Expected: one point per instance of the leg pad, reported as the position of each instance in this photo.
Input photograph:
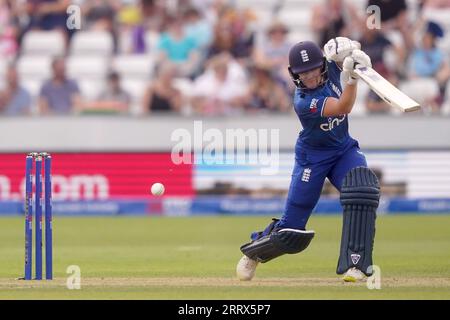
(278, 243)
(360, 195)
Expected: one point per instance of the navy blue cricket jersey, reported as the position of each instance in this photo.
(324, 150)
(319, 131)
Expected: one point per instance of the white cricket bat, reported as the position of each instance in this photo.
(386, 90)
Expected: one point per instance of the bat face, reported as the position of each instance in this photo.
(372, 75)
(386, 90)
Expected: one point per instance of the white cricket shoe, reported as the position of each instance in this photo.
(245, 269)
(354, 275)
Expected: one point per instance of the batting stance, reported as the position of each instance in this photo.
(324, 149)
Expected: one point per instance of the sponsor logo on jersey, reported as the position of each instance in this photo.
(336, 89)
(313, 105)
(332, 123)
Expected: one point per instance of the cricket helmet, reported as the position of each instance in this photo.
(303, 57)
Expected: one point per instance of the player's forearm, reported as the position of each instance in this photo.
(347, 99)
(336, 107)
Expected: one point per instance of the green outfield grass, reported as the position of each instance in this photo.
(195, 258)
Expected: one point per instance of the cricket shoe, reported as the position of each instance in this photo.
(354, 275)
(245, 269)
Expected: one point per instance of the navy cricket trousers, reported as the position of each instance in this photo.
(308, 177)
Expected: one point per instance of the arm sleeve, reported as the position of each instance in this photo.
(312, 108)
(334, 71)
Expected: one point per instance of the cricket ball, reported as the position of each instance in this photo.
(157, 189)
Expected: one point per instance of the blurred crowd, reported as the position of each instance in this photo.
(218, 57)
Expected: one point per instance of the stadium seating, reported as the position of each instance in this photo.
(305, 4)
(91, 53)
(184, 85)
(3, 66)
(440, 16)
(444, 44)
(92, 43)
(395, 37)
(151, 41)
(87, 67)
(43, 43)
(421, 89)
(91, 89)
(33, 87)
(137, 66)
(136, 88)
(446, 106)
(359, 107)
(302, 35)
(34, 67)
(296, 20)
(90, 73)
(256, 4)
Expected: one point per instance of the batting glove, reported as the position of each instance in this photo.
(339, 48)
(348, 74)
(361, 59)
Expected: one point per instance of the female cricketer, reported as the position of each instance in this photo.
(324, 149)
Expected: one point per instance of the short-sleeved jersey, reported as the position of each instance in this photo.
(319, 131)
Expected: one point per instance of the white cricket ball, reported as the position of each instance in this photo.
(158, 189)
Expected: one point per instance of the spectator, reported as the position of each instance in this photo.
(265, 94)
(49, 15)
(14, 99)
(244, 37)
(332, 19)
(59, 95)
(209, 9)
(430, 61)
(132, 30)
(100, 15)
(273, 52)
(154, 14)
(438, 4)
(223, 40)
(394, 16)
(198, 28)
(136, 21)
(222, 88)
(162, 94)
(114, 99)
(8, 30)
(375, 44)
(177, 47)
(232, 34)
(393, 13)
